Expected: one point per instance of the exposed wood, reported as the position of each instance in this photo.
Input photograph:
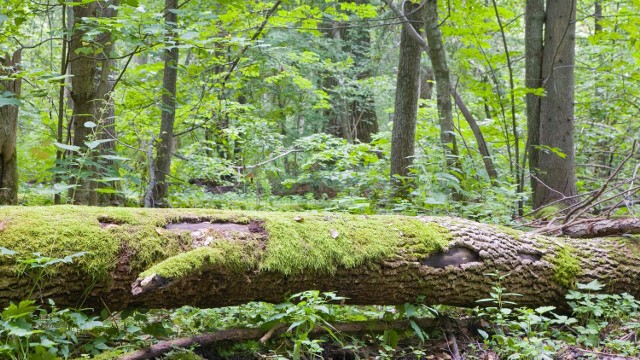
(241, 266)
(591, 228)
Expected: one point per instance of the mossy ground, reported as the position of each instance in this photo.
(318, 243)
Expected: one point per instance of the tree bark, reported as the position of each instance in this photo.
(83, 93)
(406, 103)
(106, 113)
(554, 177)
(8, 132)
(169, 81)
(534, 30)
(482, 148)
(443, 83)
(168, 258)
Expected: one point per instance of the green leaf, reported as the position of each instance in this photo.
(544, 309)
(593, 286)
(66, 147)
(9, 101)
(94, 144)
(114, 157)
(132, 3)
(7, 252)
(417, 330)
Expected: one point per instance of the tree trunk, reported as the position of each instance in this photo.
(534, 32)
(406, 103)
(169, 80)
(83, 93)
(208, 258)
(554, 178)
(105, 114)
(8, 132)
(443, 83)
(482, 148)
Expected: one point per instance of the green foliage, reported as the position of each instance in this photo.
(599, 322)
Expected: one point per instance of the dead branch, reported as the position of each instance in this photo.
(237, 335)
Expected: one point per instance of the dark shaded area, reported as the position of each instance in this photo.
(529, 256)
(455, 256)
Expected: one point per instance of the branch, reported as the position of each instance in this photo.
(250, 334)
(236, 61)
(294, 150)
(603, 188)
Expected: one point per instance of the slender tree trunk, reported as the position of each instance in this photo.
(484, 151)
(406, 103)
(62, 93)
(534, 32)
(362, 109)
(556, 179)
(353, 117)
(83, 93)
(8, 132)
(443, 83)
(169, 81)
(597, 16)
(105, 115)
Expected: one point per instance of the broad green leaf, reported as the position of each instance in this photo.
(94, 144)
(66, 147)
(9, 101)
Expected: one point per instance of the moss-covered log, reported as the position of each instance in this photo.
(167, 258)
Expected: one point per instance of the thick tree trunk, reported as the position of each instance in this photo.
(169, 82)
(555, 179)
(8, 132)
(406, 103)
(167, 258)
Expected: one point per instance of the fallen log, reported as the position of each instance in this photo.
(163, 258)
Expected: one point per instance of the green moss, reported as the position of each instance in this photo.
(509, 231)
(227, 255)
(322, 243)
(547, 212)
(566, 266)
(58, 231)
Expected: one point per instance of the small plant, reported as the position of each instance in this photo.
(304, 311)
